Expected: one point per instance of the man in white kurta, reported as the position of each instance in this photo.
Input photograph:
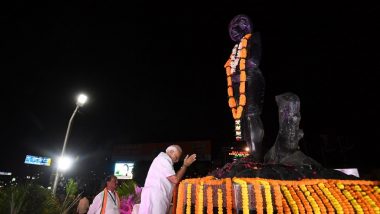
(112, 204)
(158, 189)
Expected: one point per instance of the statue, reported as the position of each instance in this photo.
(246, 84)
(286, 148)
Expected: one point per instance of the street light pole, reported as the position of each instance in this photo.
(80, 102)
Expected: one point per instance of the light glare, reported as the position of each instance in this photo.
(64, 163)
(81, 100)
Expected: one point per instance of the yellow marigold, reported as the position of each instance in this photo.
(220, 201)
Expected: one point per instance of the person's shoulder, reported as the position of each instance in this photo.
(100, 194)
(164, 156)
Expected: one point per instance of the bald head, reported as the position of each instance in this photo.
(174, 148)
(174, 152)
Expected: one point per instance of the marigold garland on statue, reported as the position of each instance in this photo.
(238, 56)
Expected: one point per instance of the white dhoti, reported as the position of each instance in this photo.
(153, 202)
(156, 194)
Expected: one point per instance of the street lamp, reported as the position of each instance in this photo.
(81, 100)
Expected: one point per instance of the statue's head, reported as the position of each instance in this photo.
(289, 109)
(239, 26)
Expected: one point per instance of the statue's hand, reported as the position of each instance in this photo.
(189, 160)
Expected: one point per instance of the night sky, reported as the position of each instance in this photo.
(156, 75)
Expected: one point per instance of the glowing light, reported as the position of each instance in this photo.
(81, 100)
(64, 163)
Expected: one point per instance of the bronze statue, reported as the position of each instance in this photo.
(246, 84)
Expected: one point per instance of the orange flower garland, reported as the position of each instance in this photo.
(298, 201)
(188, 199)
(209, 200)
(238, 56)
(287, 209)
(196, 198)
(330, 196)
(289, 198)
(175, 196)
(371, 198)
(180, 198)
(278, 198)
(352, 200)
(258, 197)
(339, 196)
(326, 202)
(347, 208)
(311, 196)
(304, 201)
(228, 195)
(370, 203)
(315, 196)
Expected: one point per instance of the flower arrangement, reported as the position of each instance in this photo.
(279, 196)
(130, 195)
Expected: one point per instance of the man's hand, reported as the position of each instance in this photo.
(189, 160)
(186, 162)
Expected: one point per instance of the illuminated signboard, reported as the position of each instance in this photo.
(239, 154)
(5, 173)
(35, 160)
(123, 170)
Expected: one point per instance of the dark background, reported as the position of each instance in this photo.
(155, 74)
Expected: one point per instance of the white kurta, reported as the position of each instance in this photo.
(157, 192)
(112, 204)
